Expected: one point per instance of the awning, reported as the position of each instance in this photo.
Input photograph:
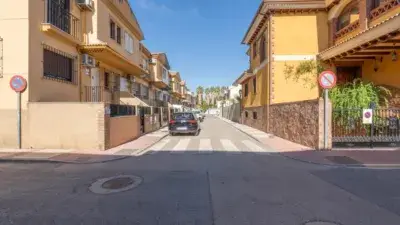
(104, 53)
(379, 39)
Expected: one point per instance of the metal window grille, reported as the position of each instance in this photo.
(59, 65)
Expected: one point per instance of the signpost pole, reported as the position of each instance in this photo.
(327, 80)
(19, 118)
(326, 119)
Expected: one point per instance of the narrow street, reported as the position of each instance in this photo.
(220, 177)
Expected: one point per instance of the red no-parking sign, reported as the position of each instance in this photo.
(18, 83)
(327, 79)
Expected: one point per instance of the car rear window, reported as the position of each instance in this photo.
(183, 116)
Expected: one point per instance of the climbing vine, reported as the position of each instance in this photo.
(306, 72)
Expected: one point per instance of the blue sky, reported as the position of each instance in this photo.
(202, 38)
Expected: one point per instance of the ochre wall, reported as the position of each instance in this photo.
(388, 71)
(99, 32)
(42, 89)
(123, 129)
(289, 90)
(14, 28)
(261, 96)
(292, 45)
(64, 126)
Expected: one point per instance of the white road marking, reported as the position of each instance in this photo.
(160, 145)
(228, 145)
(182, 145)
(205, 145)
(252, 146)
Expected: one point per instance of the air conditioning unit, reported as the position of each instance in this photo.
(85, 4)
(88, 60)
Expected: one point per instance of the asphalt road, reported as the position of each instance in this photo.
(221, 177)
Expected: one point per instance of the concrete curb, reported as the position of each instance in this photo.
(351, 166)
(60, 161)
(11, 160)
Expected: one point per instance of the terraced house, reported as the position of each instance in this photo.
(79, 58)
(355, 39)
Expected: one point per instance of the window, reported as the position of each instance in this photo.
(254, 49)
(136, 89)
(128, 43)
(375, 4)
(349, 15)
(112, 29)
(165, 75)
(246, 90)
(58, 14)
(246, 114)
(145, 63)
(255, 115)
(255, 85)
(262, 49)
(144, 92)
(106, 81)
(118, 35)
(58, 65)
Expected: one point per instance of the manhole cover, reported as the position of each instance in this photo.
(321, 223)
(342, 160)
(115, 184)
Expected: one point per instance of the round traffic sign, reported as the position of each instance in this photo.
(327, 79)
(18, 83)
(367, 115)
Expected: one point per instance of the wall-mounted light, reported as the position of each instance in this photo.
(394, 56)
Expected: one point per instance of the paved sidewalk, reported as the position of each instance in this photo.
(344, 157)
(130, 149)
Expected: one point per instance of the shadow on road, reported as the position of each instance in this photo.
(198, 187)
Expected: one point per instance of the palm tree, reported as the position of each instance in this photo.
(199, 90)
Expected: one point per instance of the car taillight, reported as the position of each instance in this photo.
(193, 121)
(172, 121)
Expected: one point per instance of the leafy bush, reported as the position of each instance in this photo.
(359, 94)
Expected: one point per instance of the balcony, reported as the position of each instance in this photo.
(384, 8)
(352, 27)
(98, 94)
(60, 22)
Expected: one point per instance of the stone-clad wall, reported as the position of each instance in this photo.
(300, 122)
(297, 122)
(260, 123)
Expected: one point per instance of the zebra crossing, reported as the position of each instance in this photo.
(204, 145)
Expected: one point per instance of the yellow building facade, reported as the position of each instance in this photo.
(355, 39)
(78, 59)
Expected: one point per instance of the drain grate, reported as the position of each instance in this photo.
(342, 160)
(115, 184)
(118, 183)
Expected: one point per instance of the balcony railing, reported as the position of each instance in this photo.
(384, 8)
(98, 94)
(60, 16)
(347, 29)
